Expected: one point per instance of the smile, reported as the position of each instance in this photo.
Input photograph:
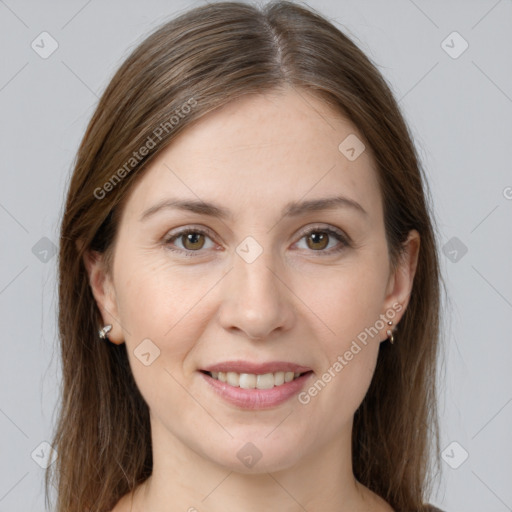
(255, 391)
(254, 381)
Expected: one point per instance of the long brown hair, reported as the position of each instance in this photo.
(191, 65)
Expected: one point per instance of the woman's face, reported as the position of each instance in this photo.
(269, 275)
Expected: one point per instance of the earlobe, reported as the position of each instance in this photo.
(103, 291)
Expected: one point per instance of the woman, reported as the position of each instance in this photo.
(245, 228)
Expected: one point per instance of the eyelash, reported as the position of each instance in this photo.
(317, 229)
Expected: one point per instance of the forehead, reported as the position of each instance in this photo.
(261, 151)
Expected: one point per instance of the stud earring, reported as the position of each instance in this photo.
(102, 333)
(390, 333)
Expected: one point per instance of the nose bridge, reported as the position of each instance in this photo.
(254, 301)
(256, 275)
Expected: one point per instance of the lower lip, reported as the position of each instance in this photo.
(257, 398)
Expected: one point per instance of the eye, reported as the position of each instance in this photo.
(193, 240)
(318, 238)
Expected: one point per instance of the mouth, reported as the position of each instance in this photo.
(256, 386)
(267, 380)
(251, 385)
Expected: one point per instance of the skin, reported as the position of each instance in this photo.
(293, 303)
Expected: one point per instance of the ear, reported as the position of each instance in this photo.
(401, 281)
(104, 292)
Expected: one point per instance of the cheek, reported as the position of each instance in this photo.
(165, 304)
(348, 301)
(338, 390)
(156, 309)
(153, 296)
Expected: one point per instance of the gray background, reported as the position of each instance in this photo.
(460, 113)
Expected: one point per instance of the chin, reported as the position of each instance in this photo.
(255, 454)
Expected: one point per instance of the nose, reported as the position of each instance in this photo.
(256, 300)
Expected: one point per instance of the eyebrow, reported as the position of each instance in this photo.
(292, 209)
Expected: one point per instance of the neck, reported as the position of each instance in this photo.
(184, 480)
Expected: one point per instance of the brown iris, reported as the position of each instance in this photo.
(193, 239)
(319, 237)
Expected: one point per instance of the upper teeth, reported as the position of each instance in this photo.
(252, 381)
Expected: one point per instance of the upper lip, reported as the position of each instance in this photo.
(256, 368)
